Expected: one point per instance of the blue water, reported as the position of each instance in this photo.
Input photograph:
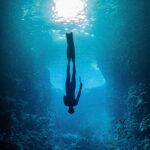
(111, 41)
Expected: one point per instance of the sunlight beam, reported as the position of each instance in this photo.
(69, 10)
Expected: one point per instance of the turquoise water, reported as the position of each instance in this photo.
(112, 57)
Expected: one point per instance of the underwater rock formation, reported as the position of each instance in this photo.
(25, 95)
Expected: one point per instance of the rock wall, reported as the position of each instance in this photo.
(25, 95)
(125, 64)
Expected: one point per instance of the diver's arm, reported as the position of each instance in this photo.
(78, 96)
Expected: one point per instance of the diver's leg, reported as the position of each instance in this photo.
(73, 81)
(68, 46)
(68, 54)
(73, 53)
(68, 78)
(71, 47)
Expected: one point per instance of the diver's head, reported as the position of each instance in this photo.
(71, 110)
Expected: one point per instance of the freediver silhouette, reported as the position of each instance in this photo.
(69, 99)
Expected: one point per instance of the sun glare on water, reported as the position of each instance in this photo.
(69, 10)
